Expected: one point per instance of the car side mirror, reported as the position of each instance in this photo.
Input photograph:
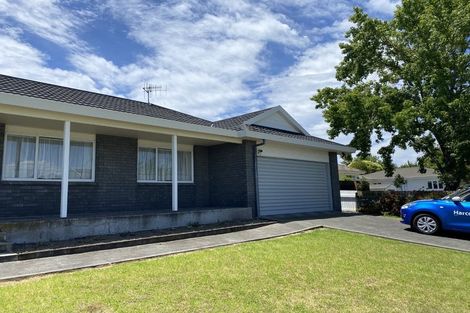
(457, 199)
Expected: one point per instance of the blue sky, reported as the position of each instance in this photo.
(217, 58)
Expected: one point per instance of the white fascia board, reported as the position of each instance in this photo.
(248, 134)
(80, 110)
(278, 109)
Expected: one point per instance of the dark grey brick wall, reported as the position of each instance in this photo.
(115, 188)
(334, 176)
(231, 175)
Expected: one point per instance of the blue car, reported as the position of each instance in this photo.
(430, 216)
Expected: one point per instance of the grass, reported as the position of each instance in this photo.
(319, 271)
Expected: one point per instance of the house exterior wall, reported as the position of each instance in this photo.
(232, 175)
(115, 188)
(412, 184)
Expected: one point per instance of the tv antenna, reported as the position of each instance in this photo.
(157, 89)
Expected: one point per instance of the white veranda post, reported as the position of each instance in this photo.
(174, 173)
(65, 171)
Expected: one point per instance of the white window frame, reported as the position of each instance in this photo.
(167, 146)
(42, 133)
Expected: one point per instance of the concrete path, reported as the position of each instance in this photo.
(373, 225)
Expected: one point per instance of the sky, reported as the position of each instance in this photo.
(216, 58)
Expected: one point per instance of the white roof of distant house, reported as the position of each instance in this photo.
(406, 172)
(343, 169)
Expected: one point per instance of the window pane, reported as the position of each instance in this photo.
(50, 158)
(19, 157)
(164, 165)
(146, 164)
(441, 185)
(184, 166)
(429, 185)
(81, 160)
(434, 183)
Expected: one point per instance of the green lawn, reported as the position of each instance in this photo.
(323, 270)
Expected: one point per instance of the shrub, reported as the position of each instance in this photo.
(389, 202)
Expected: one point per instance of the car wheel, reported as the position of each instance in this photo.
(426, 224)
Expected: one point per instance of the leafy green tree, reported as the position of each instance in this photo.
(365, 165)
(407, 77)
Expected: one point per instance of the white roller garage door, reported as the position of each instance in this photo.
(288, 186)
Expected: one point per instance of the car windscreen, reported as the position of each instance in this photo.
(458, 193)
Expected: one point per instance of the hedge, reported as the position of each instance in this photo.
(389, 202)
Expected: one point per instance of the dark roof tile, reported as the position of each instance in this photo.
(46, 91)
(236, 122)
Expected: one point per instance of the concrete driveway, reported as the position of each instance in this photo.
(388, 227)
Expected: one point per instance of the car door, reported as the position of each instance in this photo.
(460, 215)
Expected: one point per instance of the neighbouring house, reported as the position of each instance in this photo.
(349, 174)
(415, 180)
(105, 164)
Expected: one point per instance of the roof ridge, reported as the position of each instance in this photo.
(244, 114)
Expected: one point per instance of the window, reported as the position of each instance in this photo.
(466, 197)
(40, 158)
(146, 164)
(441, 185)
(81, 160)
(164, 165)
(429, 184)
(19, 157)
(434, 184)
(155, 164)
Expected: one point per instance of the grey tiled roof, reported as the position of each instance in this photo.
(35, 89)
(283, 133)
(41, 90)
(236, 122)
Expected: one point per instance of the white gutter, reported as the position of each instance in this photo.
(314, 144)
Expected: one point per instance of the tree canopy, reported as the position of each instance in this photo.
(407, 78)
(367, 166)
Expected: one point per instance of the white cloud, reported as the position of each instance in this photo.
(22, 60)
(293, 89)
(204, 55)
(47, 19)
(386, 7)
(204, 52)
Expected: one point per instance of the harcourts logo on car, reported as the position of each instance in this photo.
(460, 213)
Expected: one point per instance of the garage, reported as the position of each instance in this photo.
(290, 186)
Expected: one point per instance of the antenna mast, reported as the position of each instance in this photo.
(149, 88)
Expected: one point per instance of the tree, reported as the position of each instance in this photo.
(399, 181)
(368, 164)
(407, 78)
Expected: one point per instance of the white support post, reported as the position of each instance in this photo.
(174, 173)
(64, 194)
